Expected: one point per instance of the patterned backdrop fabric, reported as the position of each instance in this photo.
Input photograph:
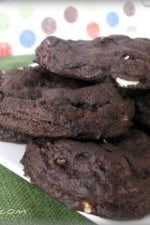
(24, 24)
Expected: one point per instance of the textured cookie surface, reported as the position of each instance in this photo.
(141, 99)
(28, 83)
(12, 136)
(124, 59)
(143, 109)
(109, 180)
(89, 112)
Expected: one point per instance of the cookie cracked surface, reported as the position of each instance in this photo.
(90, 112)
(118, 57)
(109, 180)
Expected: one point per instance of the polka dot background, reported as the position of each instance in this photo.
(71, 14)
(93, 30)
(48, 25)
(24, 24)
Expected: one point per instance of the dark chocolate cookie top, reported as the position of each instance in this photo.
(109, 180)
(12, 136)
(90, 112)
(125, 60)
(29, 82)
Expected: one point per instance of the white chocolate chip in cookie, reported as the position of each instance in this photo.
(125, 118)
(126, 83)
(104, 140)
(61, 161)
(87, 207)
(48, 42)
(126, 57)
(3, 71)
(29, 65)
(33, 65)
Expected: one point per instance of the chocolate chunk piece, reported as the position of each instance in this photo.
(90, 112)
(125, 60)
(108, 180)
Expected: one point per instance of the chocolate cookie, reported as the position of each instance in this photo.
(108, 180)
(141, 99)
(143, 109)
(90, 112)
(28, 82)
(12, 136)
(125, 60)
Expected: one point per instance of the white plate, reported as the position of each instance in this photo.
(10, 156)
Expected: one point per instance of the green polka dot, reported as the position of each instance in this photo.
(26, 10)
(90, 5)
(4, 22)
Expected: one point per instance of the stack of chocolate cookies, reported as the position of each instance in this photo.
(84, 112)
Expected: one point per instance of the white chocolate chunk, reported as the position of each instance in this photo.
(30, 65)
(48, 43)
(33, 65)
(125, 118)
(87, 207)
(104, 140)
(126, 83)
(126, 57)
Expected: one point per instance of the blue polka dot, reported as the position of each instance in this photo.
(112, 19)
(27, 38)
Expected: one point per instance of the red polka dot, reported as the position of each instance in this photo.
(5, 50)
(129, 8)
(93, 30)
